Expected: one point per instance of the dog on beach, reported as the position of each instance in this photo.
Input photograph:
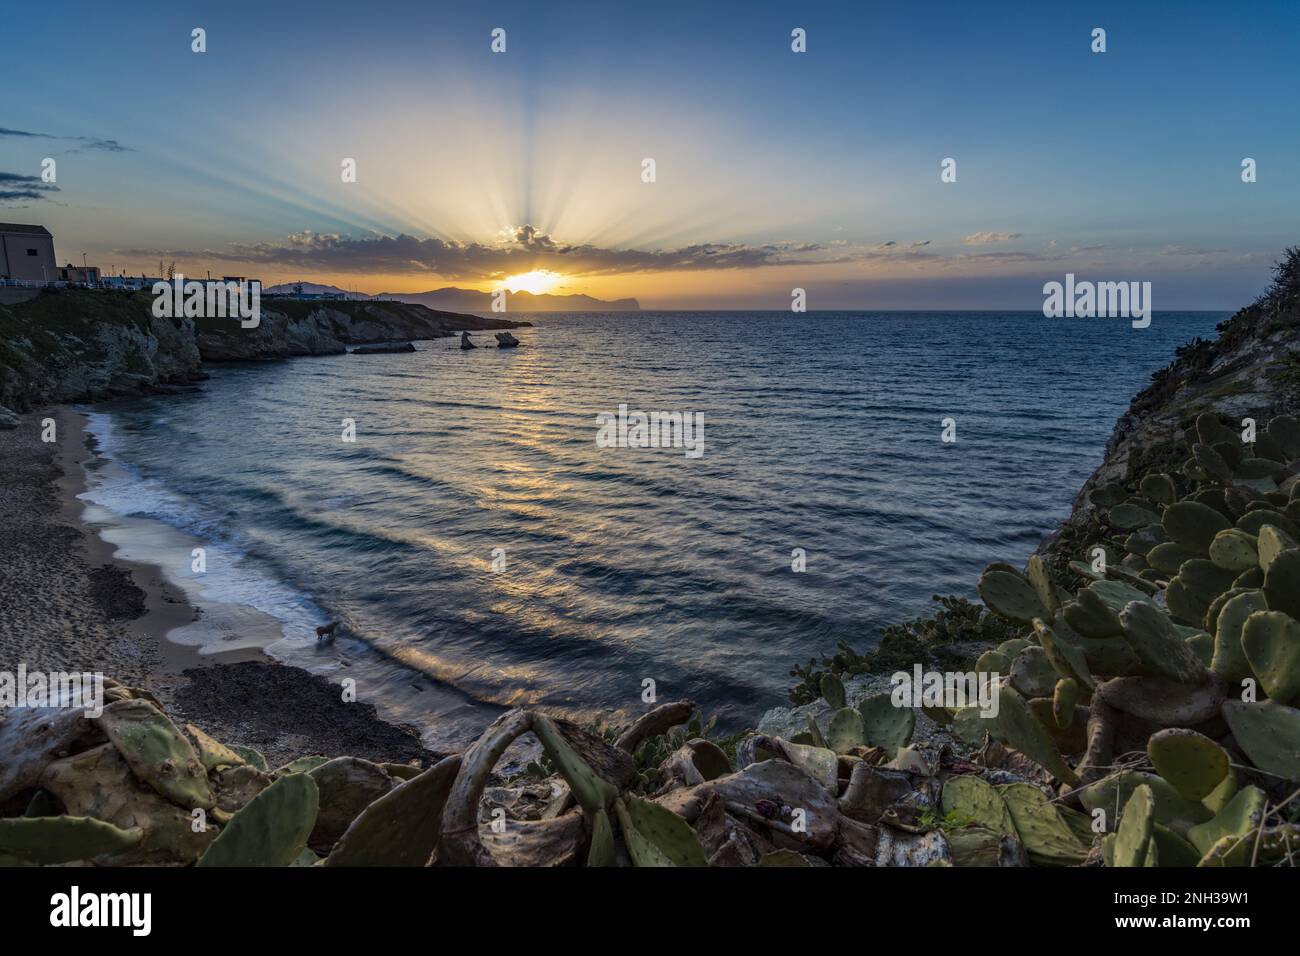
(325, 633)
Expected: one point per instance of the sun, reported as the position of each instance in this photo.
(536, 282)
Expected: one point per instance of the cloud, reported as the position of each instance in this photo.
(87, 142)
(15, 187)
(977, 238)
(520, 249)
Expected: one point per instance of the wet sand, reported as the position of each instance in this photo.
(67, 604)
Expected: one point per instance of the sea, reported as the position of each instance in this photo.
(488, 535)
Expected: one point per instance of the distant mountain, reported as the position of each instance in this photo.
(312, 288)
(469, 300)
(452, 299)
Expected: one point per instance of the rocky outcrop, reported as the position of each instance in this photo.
(291, 327)
(81, 345)
(1252, 370)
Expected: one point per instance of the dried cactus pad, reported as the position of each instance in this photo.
(1192, 763)
(213, 753)
(156, 752)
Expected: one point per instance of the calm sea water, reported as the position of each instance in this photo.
(621, 565)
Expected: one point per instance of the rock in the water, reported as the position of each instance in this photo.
(506, 341)
(465, 343)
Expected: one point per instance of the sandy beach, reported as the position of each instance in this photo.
(68, 604)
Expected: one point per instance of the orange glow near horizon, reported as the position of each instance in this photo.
(538, 281)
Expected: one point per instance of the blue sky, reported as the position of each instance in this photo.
(773, 169)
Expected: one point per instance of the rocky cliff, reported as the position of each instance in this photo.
(1251, 371)
(80, 345)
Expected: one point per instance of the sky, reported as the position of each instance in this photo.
(773, 170)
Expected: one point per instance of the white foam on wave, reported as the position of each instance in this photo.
(152, 524)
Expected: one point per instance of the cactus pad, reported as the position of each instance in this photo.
(53, 840)
(1047, 837)
(402, 827)
(1242, 814)
(885, 725)
(1192, 763)
(1272, 542)
(1090, 616)
(1010, 596)
(655, 836)
(1271, 641)
(602, 852)
(1159, 646)
(1235, 550)
(1159, 488)
(1230, 660)
(1032, 674)
(590, 790)
(1269, 733)
(156, 752)
(974, 799)
(1193, 524)
(1064, 698)
(212, 753)
(1133, 837)
(1282, 583)
(271, 829)
(846, 730)
(833, 690)
(1038, 578)
(1016, 727)
(1130, 516)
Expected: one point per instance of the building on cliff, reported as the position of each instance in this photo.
(82, 275)
(27, 253)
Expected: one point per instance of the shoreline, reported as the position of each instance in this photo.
(70, 601)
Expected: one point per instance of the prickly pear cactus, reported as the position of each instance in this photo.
(655, 836)
(1133, 838)
(1193, 764)
(271, 830)
(1010, 595)
(1271, 641)
(885, 725)
(156, 752)
(63, 839)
